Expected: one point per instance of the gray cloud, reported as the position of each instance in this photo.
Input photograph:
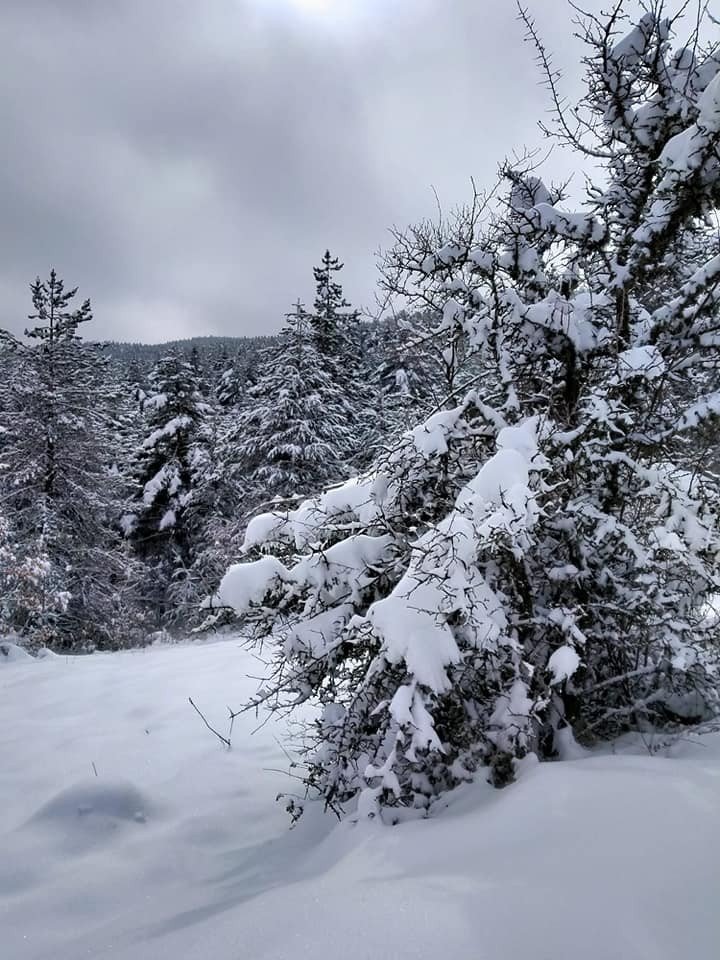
(187, 163)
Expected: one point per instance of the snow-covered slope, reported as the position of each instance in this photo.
(176, 848)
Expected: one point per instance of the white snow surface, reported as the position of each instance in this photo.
(176, 848)
(563, 663)
(247, 583)
(645, 361)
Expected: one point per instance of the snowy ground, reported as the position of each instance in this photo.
(176, 848)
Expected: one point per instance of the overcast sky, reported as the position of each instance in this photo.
(186, 162)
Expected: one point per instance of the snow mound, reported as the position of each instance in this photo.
(91, 812)
(12, 653)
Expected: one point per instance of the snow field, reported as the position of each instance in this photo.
(176, 848)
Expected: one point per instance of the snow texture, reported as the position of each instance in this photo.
(646, 362)
(563, 663)
(247, 583)
(175, 849)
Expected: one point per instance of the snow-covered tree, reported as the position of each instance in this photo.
(532, 564)
(55, 477)
(210, 519)
(442, 347)
(237, 376)
(405, 378)
(32, 598)
(332, 320)
(294, 429)
(230, 385)
(342, 342)
(168, 465)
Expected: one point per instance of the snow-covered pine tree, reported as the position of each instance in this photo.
(55, 477)
(287, 438)
(333, 319)
(237, 376)
(168, 467)
(229, 388)
(32, 597)
(210, 518)
(292, 433)
(534, 564)
(341, 340)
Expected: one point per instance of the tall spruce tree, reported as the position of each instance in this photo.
(341, 340)
(534, 564)
(333, 320)
(55, 476)
(294, 429)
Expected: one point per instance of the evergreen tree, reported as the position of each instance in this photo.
(210, 519)
(55, 475)
(288, 437)
(333, 320)
(341, 340)
(32, 598)
(236, 378)
(534, 564)
(167, 468)
(293, 431)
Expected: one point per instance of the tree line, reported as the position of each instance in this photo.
(125, 491)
